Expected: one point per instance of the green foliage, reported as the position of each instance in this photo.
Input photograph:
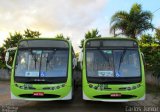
(157, 35)
(61, 36)
(151, 51)
(94, 33)
(31, 34)
(12, 41)
(147, 39)
(2, 57)
(133, 23)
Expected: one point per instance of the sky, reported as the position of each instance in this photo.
(73, 18)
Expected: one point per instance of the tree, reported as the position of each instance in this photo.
(133, 23)
(61, 36)
(12, 41)
(31, 34)
(68, 38)
(147, 38)
(151, 51)
(157, 35)
(94, 33)
(2, 57)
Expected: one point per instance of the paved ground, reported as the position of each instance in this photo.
(77, 105)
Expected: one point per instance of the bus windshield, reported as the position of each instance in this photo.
(41, 63)
(113, 63)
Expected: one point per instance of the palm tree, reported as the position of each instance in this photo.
(133, 23)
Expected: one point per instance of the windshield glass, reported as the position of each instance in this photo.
(41, 63)
(112, 63)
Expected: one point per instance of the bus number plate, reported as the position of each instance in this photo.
(115, 95)
(38, 94)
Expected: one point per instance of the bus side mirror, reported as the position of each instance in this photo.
(7, 59)
(74, 62)
(80, 59)
(7, 56)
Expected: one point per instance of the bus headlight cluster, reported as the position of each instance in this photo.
(133, 87)
(16, 85)
(21, 87)
(30, 87)
(99, 87)
(138, 85)
(128, 88)
(94, 87)
(54, 88)
(90, 85)
(26, 87)
(59, 86)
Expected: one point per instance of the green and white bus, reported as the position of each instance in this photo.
(42, 70)
(113, 70)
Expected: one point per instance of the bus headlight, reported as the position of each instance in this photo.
(134, 87)
(53, 88)
(58, 87)
(128, 88)
(90, 85)
(95, 87)
(63, 85)
(16, 85)
(21, 87)
(138, 85)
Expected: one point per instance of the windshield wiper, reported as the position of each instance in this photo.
(121, 59)
(104, 56)
(50, 57)
(34, 57)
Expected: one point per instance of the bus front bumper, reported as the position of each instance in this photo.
(90, 93)
(68, 97)
(112, 100)
(63, 93)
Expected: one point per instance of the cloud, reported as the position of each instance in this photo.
(71, 17)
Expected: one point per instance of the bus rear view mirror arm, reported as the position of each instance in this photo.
(7, 59)
(7, 56)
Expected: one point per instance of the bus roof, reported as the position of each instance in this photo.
(111, 42)
(111, 38)
(39, 42)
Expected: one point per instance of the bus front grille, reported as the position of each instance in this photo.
(109, 97)
(44, 96)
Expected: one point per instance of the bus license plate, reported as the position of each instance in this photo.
(38, 94)
(115, 95)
